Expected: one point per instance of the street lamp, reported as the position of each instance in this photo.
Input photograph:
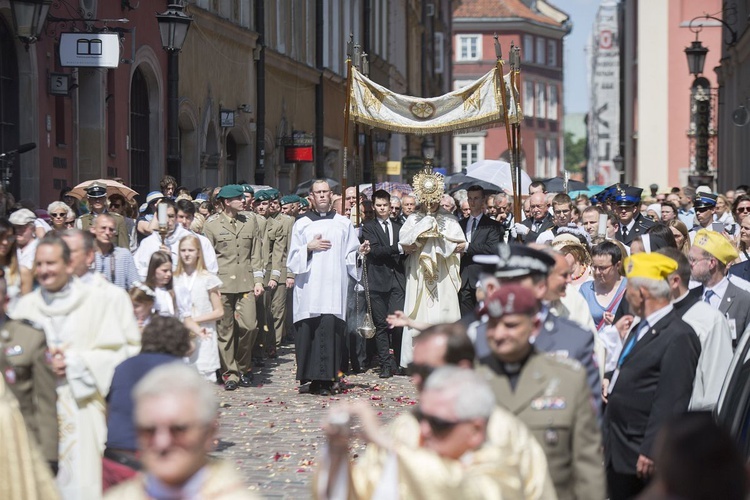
(28, 18)
(428, 152)
(173, 28)
(696, 57)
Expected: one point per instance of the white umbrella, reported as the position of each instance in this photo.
(498, 173)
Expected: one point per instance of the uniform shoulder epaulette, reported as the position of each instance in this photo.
(32, 324)
(573, 364)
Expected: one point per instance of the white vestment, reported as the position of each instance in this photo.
(432, 273)
(321, 277)
(74, 320)
(714, 333)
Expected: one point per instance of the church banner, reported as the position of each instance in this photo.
(473, 107)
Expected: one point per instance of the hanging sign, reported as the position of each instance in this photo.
(89, 50)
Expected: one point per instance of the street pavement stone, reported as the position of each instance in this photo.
(272, 434)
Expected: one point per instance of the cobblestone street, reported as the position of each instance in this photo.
(272, 433)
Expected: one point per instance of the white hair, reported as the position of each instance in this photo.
(178, 377)
(658, 289)
(471, 394)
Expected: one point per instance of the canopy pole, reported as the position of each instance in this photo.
(349, 48)
(515, 72)
(506, 119)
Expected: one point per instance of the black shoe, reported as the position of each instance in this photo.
(258, 362)
(386, 372)
(246, 380)
(326, 388)
(314, 387)
(230, 385)
(219, 377)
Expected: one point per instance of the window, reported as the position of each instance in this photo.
(540, 52)
(541, 100)
(469, 48)
(541, 157)
(528, 48)
(552, 53)
(528, 99)
(439, 52)
(467, 149)
(552, 108)
(140, 147)
(552, 149)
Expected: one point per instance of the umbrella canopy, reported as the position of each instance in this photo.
(488, 188)
(498, 173)
(391, 187)
(113, 187)
(557, 185)
(303, 188)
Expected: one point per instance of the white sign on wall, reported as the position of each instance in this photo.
(90, 50)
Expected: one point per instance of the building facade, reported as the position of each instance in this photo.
(539, 29)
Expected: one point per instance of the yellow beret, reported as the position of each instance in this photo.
(715, 244)
(653, 266)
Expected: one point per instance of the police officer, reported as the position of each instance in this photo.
(549, 394)
(24, 361)
(627, 202)
(237, 240)
(96, 194)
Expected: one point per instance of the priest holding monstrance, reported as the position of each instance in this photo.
(434, 241)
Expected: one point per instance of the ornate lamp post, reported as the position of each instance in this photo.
(173, 27)
(28, 18)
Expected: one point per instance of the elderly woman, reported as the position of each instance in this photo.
(59, 212)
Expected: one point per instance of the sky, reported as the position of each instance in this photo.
(582, 14)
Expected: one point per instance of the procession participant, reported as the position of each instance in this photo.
(395, 212)
(433, 240)
(29, 376)
(709, 256)
(408, 205)
(653, 378)
(26, 242)
(590, 220)
(120, 206)
(237, 240)
(278, 299)
(84, 356)
(96, 194)
(606, 292)
(632, 223)
(712, 329)
(386, 281)
(185, 217)
(704, 205)
(547, 393)
(490, 207)
(114, 263)
(19, 279)
(323, 253)
(290, 206)
(538, 221)
(453, 461)
(483, 235)
(152, 244)
(562, 211)
(176, 423)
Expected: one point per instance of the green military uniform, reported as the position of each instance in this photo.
(553, 399)
(25, 364)
(121, 231)
(238, 252)
(260, 307)
(278, 299)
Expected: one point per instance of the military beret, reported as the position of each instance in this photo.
(290, 198)
(264, 195)
(230, 191)
(248, 188)
(510, 299)
(304, 202)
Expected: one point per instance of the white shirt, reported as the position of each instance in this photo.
(27, 254)
(387, 223)
(718, 293)
(470, 226)
(653, 318)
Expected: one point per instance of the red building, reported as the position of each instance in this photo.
(538, 28)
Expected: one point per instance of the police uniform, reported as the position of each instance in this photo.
(553, 399)
(25, 364)
(121, 239)
(702, 201)
(631, 196)
(238, 252)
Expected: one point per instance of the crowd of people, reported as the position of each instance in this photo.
(548, 352)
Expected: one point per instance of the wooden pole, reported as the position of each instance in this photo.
(506, 119)
(349, 48)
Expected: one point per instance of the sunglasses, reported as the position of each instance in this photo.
(438, 426)
(115, 205)
(58, 215)
(423, 371)
(743, 209)
(70, 223)
(700, 210)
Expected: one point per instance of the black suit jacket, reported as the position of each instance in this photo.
(741, 270)
(484, 241)
(655, 381)
(533, 235)
(385, 263)
(640, 227)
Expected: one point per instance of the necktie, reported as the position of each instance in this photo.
(387, 233)
(624, 231)
(474, 226)
(631, 343)
(707, 296)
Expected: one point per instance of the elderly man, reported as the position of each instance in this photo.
(26, 242)
(548, 393)
(453, 460)
(408, 205)
(538, 221)
(323, 252)
(96, 194)
(395, 213)
(84, 349)
(653, 379)
(176, 424)
(114, 263)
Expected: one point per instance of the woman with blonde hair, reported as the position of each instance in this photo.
(681, 236)
(59, 211)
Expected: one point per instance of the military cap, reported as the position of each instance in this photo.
(275, 194)
(704, 200)
(96, 190)
(653, 266)
(628, 195)
(517, 261)
(230, 191)
(510, 299)
(290, 198)
(715, 244)
(264, 195)
(304, 202)
(22, 217)
(248, 188)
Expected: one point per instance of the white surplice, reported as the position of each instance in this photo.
(432, 273)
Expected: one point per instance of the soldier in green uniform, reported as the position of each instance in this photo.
(290, 206)
(96, 194)
(24, 362)
(236, 237)
(549, 394)
(278, 301)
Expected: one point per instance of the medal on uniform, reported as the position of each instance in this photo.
(16, 350)
(551, 437)
(10, 375)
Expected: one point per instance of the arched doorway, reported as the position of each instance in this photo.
(9, 108)
(140, 143)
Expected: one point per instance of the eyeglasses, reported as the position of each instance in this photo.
(177, 432)
(693, 260)
(438, 425)
(423, 371)
(58, 215)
